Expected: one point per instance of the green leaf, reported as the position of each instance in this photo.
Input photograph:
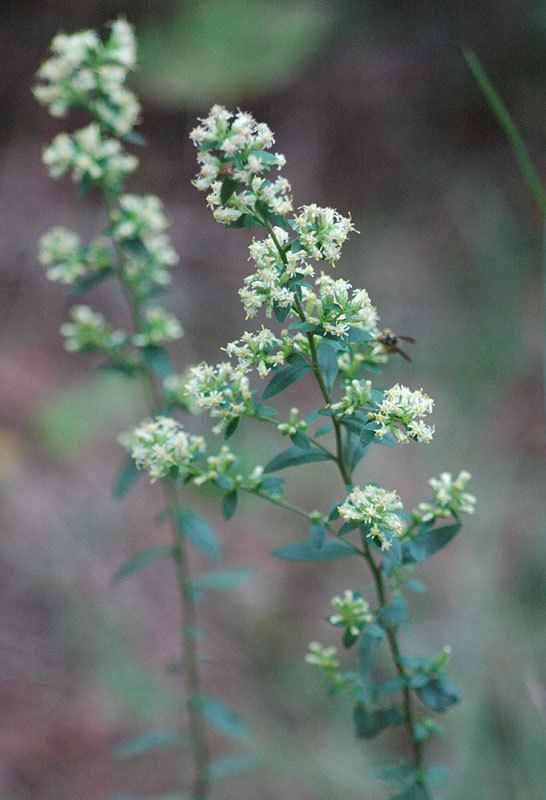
(393, 614)
(286, 376)
(306, 550)
(223, 718)
(357, 335)
(417, 586)
(229, 504)
(90, 281)
(368, 645)
(295, 457)
(153, 740)
(232, 765)
(141, 560)
(199, 532)
(527, 168)
(391, 686)
(317, 533)
(232, 426)
(228, 187)
(127, 476)
(281, 312)
(300, 440)
(225, 579)
(327, 360)
(439, 694)
(158, 360)
(133, 137)
(322, 430)
(427, 542)
(369, 723)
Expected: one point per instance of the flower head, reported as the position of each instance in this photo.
(357, 395)
(223, 390)
(158, 326)
(84, 72)
(259, 350)
(88, 156)
(160, 444)
(322, 232)
(376, 508)
(351, 612)
(67, 260)
(400, 412)
(336, 307)
(88, 330)
(450, 498)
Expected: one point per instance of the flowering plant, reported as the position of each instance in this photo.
(330, 332)
(89, 74)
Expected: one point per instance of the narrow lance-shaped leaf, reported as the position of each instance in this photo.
(232, 765)
(295, 457)
(141, 560)
(229, 504)
(198, 531)
(307, 550)
(152, 740)
(427, 542)
(222, 717)
(369, 723)
(286, 376)
(327, 359)
(127, 476)
(224, 579)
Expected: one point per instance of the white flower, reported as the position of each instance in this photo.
(158, 326)
(293, 425)
(88, 155)
(400, 412)
(138, 223)
(257, 350)
(234, 147)
(85, 73)
(337, 307)
(450, 498)
(376, 508)
(60, 250)
(159, 445)
(223, 390)
(352, 612)
(217, 465)
(89, 331)
(357, 395)
(322, 232)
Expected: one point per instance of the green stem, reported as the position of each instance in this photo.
(345, 472)
(190, 663)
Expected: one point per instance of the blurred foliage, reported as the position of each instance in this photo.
(216, 51)
(67, 421)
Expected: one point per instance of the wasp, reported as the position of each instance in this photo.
(390, 340)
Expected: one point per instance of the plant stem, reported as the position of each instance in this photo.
(190, 664)
(345, 472)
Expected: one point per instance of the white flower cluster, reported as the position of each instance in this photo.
(269, 285)
(400, 412)
(88, 156)
(377, 508)
(336, 308)
(322, 232)
(354, 357)
(67, 260)
(158, 326)
(233, 150)
(218, 465)
(89, 331)
(352, 612)
(160, 444)
(450, 498)
(223, 390)
(293, 425)
(138, 223)
(357, 395)
(257, 349)
(325, 658)
(84, 72)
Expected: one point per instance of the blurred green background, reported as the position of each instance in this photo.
(377, 113)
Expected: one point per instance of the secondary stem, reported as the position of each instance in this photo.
(346, 476)
(190, 665)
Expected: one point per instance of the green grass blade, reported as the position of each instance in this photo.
(526, 166)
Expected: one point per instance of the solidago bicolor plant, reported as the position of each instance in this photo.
(327, 330)
(89, 74)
